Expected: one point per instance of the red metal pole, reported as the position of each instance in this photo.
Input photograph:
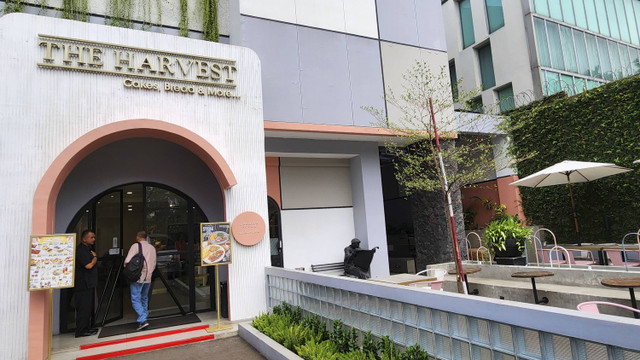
(456, 248)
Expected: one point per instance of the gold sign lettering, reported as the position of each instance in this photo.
(144, 69)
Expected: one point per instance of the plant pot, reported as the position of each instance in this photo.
(512, 249)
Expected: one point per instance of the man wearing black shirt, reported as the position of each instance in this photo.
(85, 283)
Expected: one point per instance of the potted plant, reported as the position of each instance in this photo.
(506, 237)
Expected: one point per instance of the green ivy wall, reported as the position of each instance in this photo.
(601, 125)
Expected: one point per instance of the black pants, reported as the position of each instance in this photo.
(84, 309)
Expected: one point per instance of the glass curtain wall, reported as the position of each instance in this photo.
(619, 19)
(581, 59)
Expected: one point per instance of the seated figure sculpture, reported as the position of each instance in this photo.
(357, 260)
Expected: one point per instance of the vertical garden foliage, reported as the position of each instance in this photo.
(75, 10)
(12, 6)
(184, 19)
(601, 125)
(119, 13)
(210, 20)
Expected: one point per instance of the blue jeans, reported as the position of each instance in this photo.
(140, 300)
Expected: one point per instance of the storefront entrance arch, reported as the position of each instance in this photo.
(43, 217)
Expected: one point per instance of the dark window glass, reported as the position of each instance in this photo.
(605, 59)
(486, 67)
(541, 40)
(594, 58)
(453, 77)
(581, 52)
(568, 49)
(555, 46)
(494, 14)
(466, 20)
(507, 101)
(476, 106)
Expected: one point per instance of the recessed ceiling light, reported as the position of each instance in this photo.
(129, 192)
(129, 205)
(130, 209)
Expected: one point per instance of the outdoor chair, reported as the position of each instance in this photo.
(592, 306)
(547, 255)
(434, 273)
(586, 260)
(615, 258)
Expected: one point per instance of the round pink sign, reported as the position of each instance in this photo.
(248, 228)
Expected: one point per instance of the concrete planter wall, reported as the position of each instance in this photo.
(264, 344)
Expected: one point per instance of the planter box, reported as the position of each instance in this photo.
(264, 344)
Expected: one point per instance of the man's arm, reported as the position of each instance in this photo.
(93, 261)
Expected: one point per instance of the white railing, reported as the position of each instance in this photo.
(456, 326)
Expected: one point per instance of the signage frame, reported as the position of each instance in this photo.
(33, 260)
(208, 229)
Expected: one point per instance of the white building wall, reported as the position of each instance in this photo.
(315, 236)
(509, 49)
(44, 111)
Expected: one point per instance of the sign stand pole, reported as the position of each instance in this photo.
(50, 323)
(219, 327)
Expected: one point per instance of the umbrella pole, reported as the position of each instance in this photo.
(573, 208)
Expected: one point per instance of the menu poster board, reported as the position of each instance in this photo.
(216, 244)
(51, 261)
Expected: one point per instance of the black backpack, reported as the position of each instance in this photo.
(133, 270)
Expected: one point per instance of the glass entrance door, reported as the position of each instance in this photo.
(171, 220)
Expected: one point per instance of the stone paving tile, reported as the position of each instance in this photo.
(219, 349)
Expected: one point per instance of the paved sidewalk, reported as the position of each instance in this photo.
(228, 348)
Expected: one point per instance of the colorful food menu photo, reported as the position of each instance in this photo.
(51, 261)
(216, 243)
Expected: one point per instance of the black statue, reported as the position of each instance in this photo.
(357, 260)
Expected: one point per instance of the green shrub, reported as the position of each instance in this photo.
(598, 125)
(414, 353)
(313, 350)
(345, 340)
(387, 350)
(368, 344)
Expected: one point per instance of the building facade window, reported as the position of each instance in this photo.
(485, 61)
(506, 98)
(495, 16)
(466, 21)
(582, 53)
(453, 77)
(476, 105)
(619, 19)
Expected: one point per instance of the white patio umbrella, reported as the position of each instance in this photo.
(568, 172)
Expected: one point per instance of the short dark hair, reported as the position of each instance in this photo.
(142, 234)
(85, 233)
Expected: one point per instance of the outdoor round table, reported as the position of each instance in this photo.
(467, 271)
(533, 275)
(627, 282)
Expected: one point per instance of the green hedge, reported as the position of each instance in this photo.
(601, 125)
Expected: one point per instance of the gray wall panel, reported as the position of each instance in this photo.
(412, 22)
(277, 47)
(430, 25)
(397, 21)
(367, 88)
(326, 97)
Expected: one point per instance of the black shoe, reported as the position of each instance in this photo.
(94, 329)
(142, 325)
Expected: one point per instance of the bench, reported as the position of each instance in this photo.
(339, 266)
